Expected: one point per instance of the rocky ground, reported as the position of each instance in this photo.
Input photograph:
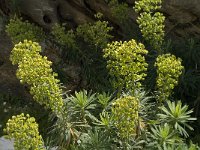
(9, 84)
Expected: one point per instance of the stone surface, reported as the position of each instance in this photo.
(182, 16)
(9, 84)
(44, 12)
(6, 144)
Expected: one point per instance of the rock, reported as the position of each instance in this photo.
(6, 144)
(9, 144)
(182, 16)
(43, 12)
(9, 84)
(74, 11)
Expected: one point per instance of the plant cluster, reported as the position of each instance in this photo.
(125, 115)
(24, 130)
(126, 63)
(171, 130)
(169, 69)
(35, 70)
(147, 5)
(120, 125)
(20, 30)
(171, 115)
(119, 11)
(96, 34)
(151, 23)
(64, 38)
(130, 118)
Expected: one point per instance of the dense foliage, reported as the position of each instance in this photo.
(20, 30)
(169, 69)
(151, 22)
(123, 116)
(126, 63)
(24, 130)
(35, 70)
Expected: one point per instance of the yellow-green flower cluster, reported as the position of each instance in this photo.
(169, 69)
(19, 31)
(125, 115)
(24, 130)
(147, 5)
(62, 37)
(151, 23)
(35, 70)
(126, 63)
(96, 34)
(21, 50)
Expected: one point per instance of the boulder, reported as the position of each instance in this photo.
(6, 144)
(182, 16)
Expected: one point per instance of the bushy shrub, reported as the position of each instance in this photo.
(20, 30)
(126, 63)
(169, 69)
(125, 116)
(119, 11)
(35, 70)
(151, 22)
(24, 130)
(65, 38)
(96, 34)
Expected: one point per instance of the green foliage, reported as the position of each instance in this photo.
(83, 46)
(177, 116)
(169, 69)
(74, 120)
(147, 5)
(119, 11)
(125, 116)
(163, 136)
(171, 126)
(24, 130)
(106, 120)
(81, 103)
(130, 118)
(20, 30)
(20, 50)
(96, 34)
(104, 99)
(151, 23)
(183, 146)
(126, 63)
(64, 38)
(189, 51)
(12, 105)
(152, 28)
(95, 140)
(35, 70)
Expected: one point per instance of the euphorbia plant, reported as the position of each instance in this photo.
(126, 63)
(36, 71)
(24, 130)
